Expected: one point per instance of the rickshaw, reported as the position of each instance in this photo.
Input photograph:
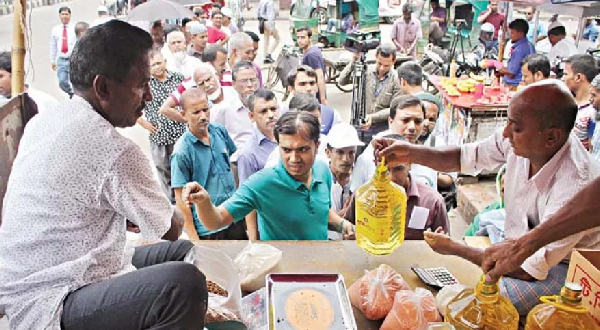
(344, 18)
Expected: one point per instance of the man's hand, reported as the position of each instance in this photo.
(348, 230)
(53, 66)
(344, 209)
(440, 242)
(367, 124)
(194, 193)
(148, 126)
(503, 258)
(324, 101)
(394, 151)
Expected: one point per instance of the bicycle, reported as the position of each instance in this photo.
(288, 59)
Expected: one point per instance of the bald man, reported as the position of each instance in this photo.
(546, 166)
(202, 155)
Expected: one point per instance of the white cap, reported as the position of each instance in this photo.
(102, 9)
(227, 12)
(343, 135)
(488, 27)
(555, 24)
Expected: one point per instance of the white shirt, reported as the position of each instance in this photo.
(531, 201)
(229, 94)
(73, 183)
(563, 49)
(339, 194)
(44, 101)
(186, 67)
(365, 168)
(56, 38)
(236, 120)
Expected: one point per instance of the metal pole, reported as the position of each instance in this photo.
(536, 23)
(18, 48)
(580, 28)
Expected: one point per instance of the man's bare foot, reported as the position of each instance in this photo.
(441, 243)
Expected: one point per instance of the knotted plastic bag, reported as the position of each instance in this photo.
(412, 310)
(373, 294)
(255, 262)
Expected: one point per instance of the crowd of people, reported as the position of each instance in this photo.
(235, 163)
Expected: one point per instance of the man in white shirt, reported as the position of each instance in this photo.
(62, 42)
(42, 100)
(407, 115)
(63, 257)
(177, 57)
(236, 118)
(563, 46)
(545, 167)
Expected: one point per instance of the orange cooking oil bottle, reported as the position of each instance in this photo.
(482, 308)
(564, 312)
(380, 213)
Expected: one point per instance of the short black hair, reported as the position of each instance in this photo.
(199, 12)
(291, 77)
(210, 52)
(305, 28)
(216, 6)
(537, 63)
(6, 61)
(185, 20)
(241, 65)
(411, 72)
(386, 50)
(110, 49)
(298, 122)
(254, 36)
(215, 13)
(404, 101)
(64, 8)
(304, 102)
(519, 25)
(260, 93)
(558, 31)
(583, 64)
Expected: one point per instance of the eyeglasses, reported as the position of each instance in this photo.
(249, 81)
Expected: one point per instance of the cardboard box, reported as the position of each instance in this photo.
(584, 269)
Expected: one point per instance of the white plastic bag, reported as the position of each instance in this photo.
(255, 262)
(217, 267)
(446, 294)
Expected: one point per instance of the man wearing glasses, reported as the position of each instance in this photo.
(541, 30)
(236, 118)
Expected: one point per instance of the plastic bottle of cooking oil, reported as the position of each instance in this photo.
(564, 312)
(482, 308)
(380, 213)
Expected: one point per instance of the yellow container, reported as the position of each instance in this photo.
(482, 308)
(564, 312)
(380, 213)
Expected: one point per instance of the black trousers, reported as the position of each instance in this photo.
(164, 293)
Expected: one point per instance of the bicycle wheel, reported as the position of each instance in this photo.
(272, 77)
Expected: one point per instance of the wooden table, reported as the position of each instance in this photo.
(350, 260)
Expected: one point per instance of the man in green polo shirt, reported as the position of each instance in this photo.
(292, 199)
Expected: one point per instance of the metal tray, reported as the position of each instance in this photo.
(302, 313)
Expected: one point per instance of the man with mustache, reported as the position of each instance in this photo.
(164, 132)
(236, 119)
(203, 155)
(63, 261)
(292, 199)
(178, 59)
(546, 167)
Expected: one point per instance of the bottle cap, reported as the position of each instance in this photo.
(571, 293)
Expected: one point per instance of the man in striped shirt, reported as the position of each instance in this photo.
(546, 166)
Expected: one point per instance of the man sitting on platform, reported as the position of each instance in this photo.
(546, 166)
(292, 200)
(425, 208)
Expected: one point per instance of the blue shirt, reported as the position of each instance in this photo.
(541, 30)
(287, 209)
(590, 32)
(194, 160)
(519, 51)
(254, 154)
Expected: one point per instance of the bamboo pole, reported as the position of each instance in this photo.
(18, 48)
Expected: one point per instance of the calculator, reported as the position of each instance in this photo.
(436, 277)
